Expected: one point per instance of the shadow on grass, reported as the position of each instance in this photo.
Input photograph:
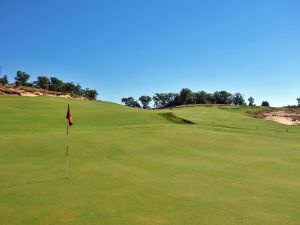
(35, 182)
(175, 119)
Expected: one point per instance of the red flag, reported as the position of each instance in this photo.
(69, 117)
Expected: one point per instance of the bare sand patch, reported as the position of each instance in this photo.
(287, 117)
(28, 94)
(65, 96)
(60, 96)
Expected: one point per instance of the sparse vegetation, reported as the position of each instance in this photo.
(53, 84)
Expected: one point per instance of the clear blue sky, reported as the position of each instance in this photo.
(129, 48)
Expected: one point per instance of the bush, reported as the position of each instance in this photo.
(90, 94)
(265, 103)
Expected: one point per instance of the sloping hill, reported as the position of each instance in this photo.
(130, 166)
(231, 117)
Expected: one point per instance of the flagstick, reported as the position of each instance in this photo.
(67, 153)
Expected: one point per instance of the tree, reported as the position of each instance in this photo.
(238, 99)
(186, 96)
(164, 100)
(202, 97)
(145, 100)
(131, 102)
(4, 80)
(298, 99)
(251, 101)
(90, 94)
(21, 78)
(78, 91)
(159, 100)
(211, 98)
(222, 97)
(42, 82)
(55, 84)
(265, 103)
(69, 88)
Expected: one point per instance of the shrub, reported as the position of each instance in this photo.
(265, 103)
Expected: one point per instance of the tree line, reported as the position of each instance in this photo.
(51, 84)
(294, 106)
(186, 97)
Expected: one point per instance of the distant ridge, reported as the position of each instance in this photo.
(33, 92)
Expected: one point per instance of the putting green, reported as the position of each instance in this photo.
(130, 166)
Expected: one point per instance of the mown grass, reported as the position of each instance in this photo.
(131, 166)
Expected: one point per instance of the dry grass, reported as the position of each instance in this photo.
(6, 90)
(259, 114)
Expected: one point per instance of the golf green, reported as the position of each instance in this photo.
(134, 166)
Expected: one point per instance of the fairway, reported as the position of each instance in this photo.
(133, 166)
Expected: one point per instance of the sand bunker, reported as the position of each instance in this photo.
(287, 117)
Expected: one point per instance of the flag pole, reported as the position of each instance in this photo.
(69, 123)
(67, 153)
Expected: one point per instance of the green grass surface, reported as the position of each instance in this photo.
(131, 166)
